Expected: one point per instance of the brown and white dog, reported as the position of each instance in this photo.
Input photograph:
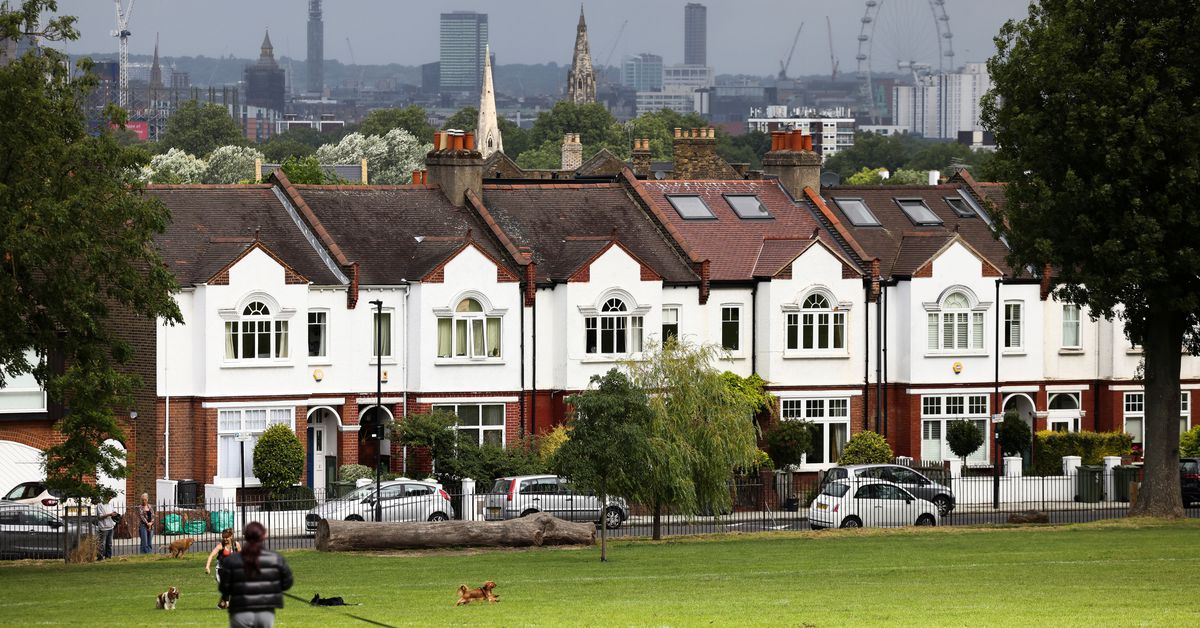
(466, 596)
(166, 599)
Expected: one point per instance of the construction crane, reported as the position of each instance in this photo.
(122, 33)
(783, 65)
(615, 42)
(833, 63)
(361, 71)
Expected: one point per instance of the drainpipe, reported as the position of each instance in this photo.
(883, 346)
(879, 362)
(167, 419)
(867, 354)
(533, 361)
(996, 455)
(753, 328)
(521, 400)
(404, 369)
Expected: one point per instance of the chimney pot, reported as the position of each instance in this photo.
(416, 176)
(470, 140)
(808, 145)
(678, 132)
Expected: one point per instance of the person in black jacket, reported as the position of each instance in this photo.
(254, 581)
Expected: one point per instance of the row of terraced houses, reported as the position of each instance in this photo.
(885, 308)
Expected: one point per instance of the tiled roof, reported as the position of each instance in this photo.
(211, 225)
(897, 255)
(775, 254)
(565, 224)
(730, 243)
(396, 233)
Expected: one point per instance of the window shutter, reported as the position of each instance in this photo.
(933, 332)
(977, 330)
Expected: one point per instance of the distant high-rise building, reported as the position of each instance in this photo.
(644, 72)
(431, 79)
(581, 82)
(464, 37)
(942, 105)
(695, 34)
(264, 80)
(487, 129)
(315, 63)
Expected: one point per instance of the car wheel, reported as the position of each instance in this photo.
(531, 511)
(439, 516)
(926, 520)
(851, 522)
(354, 518)
(943, 504)
(612, 518)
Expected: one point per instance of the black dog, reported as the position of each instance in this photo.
(328, 601)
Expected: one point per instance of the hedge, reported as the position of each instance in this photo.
(1091, 447)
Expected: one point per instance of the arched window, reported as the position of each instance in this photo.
(256, 335)
(469, 332)
(956, 326)
(816, 326)
(614, 330)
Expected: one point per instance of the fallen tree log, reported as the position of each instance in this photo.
(532, 531)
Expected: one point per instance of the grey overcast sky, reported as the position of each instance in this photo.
(744, 36)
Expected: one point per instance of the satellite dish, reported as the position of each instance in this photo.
(830, 179)
(659, 174)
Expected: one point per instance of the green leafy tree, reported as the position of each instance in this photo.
(872, 150)
(964, 438)
(307, 171)
(700, 430)
(549, 443)
(175, 167)
(391, 157)
(788, 442)
(1096, 111)
(277, 150)
(278, 459)
(516, 139)
(1014, 433)
(866, 176)
(76, 247)
(609, 448)
(548, 156)
(465, 119)
(748, 148)
(1189, 443)
(906, 176)
(199, 128)
(411, 118)
(434, 430)
(866, 448)
(231, 164)
(594, 124)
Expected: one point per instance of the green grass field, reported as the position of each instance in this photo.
(1121, 573)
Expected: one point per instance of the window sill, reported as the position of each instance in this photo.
(816, 355)
(320, 361)
(386, 361)
(257, 364)
(466, 361)
(1070, 351)
(1133, 352)
(609, 358)
(974, 353)
(1013, 352)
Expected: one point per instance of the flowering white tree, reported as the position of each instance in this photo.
(175, 166)
(231, 164)
(391, 158)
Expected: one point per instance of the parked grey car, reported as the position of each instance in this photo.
(909, 479)
(31, 531)
(518, 496)
(403, 500)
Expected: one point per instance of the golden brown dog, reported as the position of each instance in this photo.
(178, 547)
(466, 596)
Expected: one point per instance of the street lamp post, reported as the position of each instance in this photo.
(377, 434)
(242, 437)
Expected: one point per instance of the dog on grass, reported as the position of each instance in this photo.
(179, 547)
(166, 599)
(466, 595)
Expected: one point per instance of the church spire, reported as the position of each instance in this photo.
(268, 51)
(156, 81)
(581, 82)
(487, 130)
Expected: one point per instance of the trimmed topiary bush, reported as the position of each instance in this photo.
(964, 438)
(355, 472)
(278, 459)
(1015, 435)
(788, 441)
(866, 448)
(1050, 447)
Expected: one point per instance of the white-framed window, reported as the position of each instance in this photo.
(1014, 324)
(831, 421)
(381, 334)
(469, 332)
(956, 326)
(817, 326)
(614, 330)
(22, 393)
(1070, 326)
(249, 421)
(937, 410)
(731, 327)
(318, 333)
(257, 334)
(1135, 414)
(670, 322)
(1063, 412)
(481, 422)
(1185, 410)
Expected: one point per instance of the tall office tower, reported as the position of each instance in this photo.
(581, 81)
(316, 49)
(464, 37)
(695, 34)
(644, 73)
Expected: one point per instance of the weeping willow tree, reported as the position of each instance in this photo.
(700, 430)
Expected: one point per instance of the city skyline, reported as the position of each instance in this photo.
(408, 35)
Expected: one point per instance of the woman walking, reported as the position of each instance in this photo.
(254, 581)
(226, 547)
(146, 524)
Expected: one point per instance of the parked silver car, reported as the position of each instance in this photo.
(908, 479)
(31, 531)
(402, 500)
(518, 496)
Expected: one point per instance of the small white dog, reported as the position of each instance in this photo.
(166, 599)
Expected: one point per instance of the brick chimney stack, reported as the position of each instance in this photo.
(696, 156)
(641, 157)
(793, 161)
(572, 152)
(455, 165)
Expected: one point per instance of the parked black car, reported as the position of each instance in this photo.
(1189, 480)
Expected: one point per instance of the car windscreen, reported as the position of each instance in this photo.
(835, 489)
(501, 486)
(361, 492)
(1189, 466)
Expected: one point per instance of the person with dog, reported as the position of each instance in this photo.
(254, 580)
(106, 523)
(223, 549)
(145, 513)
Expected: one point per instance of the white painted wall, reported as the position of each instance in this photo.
(956, 266)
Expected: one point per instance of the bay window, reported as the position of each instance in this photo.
(816, 326)
(1135, 414)
(956, 326)
(469, 332)
(614, 330)
(482, 423)
(250, 423)
(938, 410)
(256, 334)
(830, 419)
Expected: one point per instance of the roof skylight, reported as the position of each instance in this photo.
(747, 206)
(690, 207)
(960, 207)
(918, 212)
(857, 212)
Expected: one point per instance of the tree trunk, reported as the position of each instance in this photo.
(1160, 492)
(535, 530)
(656, 529)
